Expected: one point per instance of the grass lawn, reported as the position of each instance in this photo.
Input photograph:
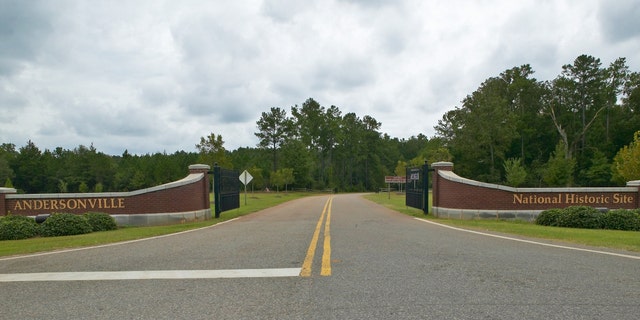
(623, 240)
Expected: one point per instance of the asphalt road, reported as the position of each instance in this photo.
(368, 263)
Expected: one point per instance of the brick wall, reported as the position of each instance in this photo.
(455, 196)
(188, 195)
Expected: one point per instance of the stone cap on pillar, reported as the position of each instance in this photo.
(634, 183)
(199, 168)
(442, 165)
(7, 190)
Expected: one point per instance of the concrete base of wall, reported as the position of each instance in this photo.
(469, 214)
(156, 219)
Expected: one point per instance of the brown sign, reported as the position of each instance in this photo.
(395, 179)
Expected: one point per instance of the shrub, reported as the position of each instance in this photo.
(622, 219)
(100, 221)
(64, 224)
(549, 217)
(581, 217)
(17, 228)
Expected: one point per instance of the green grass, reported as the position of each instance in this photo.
(255, 202)
(396, 201)
(623, 240)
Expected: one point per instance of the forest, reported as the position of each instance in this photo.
(580, 129)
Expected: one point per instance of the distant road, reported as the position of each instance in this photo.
(324, 257)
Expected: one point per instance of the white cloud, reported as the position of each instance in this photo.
(152, 76)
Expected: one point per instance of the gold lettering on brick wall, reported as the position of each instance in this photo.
(520, 198)
(573, 199)
(69, 204)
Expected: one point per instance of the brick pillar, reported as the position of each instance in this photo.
(636, 184)
(445, 166)
(204, 169)
(3, 203)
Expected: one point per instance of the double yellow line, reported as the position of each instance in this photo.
(326, 253)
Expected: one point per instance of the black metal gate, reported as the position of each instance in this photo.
(226, 189)
(417, 194)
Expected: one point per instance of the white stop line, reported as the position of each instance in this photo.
(149, 275)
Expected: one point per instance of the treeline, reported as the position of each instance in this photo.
(84, 169)
(319, 147)
(575, 130)
(569, 131)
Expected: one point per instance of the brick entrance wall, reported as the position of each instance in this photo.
(461, 198)
(179, 201)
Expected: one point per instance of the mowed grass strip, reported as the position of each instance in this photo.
(613, 239)
(255, 202)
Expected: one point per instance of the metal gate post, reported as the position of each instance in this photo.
(216, 189)
(425, 187)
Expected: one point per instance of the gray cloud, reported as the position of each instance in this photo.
(156, 75)
(347, 74)
(24, 25)
(370, 3)
(620, 20)
(284, 10)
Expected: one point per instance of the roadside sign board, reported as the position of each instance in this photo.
(245, 177)
(395, 179)
(415, 174)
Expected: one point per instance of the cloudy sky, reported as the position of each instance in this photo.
(155, 76)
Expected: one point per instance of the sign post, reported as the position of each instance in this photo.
(245, 178)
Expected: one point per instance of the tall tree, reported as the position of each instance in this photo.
(523, 96)
(578, 96)
(627, 116)
(486, 130)
(374, 172)
(308, 120)
(317, 128)
(617, 75)
(297, 156)
(273, 127)
(29, 169)
(7, 154)
(211, 150)
(350, 153)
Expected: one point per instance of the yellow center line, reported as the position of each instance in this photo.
(326, 254)
(308, 260)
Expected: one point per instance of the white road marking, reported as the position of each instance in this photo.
(531, 242)
(148, 275)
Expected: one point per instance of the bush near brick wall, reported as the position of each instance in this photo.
(622, 220)
(590, 218)
(18, 228)
(64, 224)
(100, 221)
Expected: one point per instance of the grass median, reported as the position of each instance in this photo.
(254, 202)
(613, 239)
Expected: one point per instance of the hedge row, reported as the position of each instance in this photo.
(591, 218)
(58, 224)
